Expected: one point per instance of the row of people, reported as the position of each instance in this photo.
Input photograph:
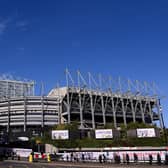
(102, 158)
(126, 159)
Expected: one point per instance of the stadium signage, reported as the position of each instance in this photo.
(146, 132)
(60, 134)
(103, 133)
(23, 138)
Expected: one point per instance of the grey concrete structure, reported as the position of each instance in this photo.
(10, 87)
(90, 102)
(19, 114)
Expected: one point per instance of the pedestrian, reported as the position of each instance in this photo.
(115, 158)
(71, 157)
(124, 158)
(32, 153)
(67, 157)
(166, 159)
(118, 159)
(150, 159)
(135, 158)
(127, 158)
(83, 157)
(104, 158)
(158, 159)
(100, 158)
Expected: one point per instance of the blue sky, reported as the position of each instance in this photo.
(39, 39)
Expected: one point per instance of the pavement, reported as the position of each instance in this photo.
(26, 164)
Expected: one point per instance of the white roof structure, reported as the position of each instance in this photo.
(58, 92)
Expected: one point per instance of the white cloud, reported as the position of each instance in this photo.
(3, 27)
(12, 23)
(4, 24)
(22, 25)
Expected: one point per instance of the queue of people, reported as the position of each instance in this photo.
(125, 158)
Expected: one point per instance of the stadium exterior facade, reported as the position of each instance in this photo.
(90, 104)
(28, 113)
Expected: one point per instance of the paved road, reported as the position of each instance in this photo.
(23, 164)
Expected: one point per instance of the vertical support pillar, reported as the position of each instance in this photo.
(124, 113)
(160, 114)
(8, 122)
(133, 111)
(68, 97)
(150, 111)
(81, 109)
(114, 112)
(7, 89)
(14, 91)
(33, 89)
(59, 111)
(103, 110)
(92, 110)
(59, 105)
(68, 106)
(136, 105)
(24, 115)
(142, 112)
(42, 112)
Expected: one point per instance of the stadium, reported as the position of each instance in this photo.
(92, 103)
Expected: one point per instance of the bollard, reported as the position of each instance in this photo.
(30, 158)
(48, 158)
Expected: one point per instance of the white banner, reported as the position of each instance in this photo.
(146, 132)
(22, 152)
(103, 133)
(60, 134)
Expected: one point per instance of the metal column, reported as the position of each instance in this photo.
(103, 110)
(142, 112)
(42, 112)
(81, 109)
(25, 111)
(92, 110)
(124, 113)
(114, 112)
(133, 111)
(8, 122)
(159, 113)
(68, 106)
(150, 111)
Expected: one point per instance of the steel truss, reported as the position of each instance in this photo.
(95, 102)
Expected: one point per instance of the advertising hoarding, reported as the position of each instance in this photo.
(60, 134)
(103, 133)
(146, 132)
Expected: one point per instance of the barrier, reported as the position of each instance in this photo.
(30, 158)
(48, 158)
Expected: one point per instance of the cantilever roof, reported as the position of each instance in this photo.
(57, 92)
(62, 91)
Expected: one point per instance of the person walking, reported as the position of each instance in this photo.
(135, 158)
(159, 159)
(150, 159)
(127, 158)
